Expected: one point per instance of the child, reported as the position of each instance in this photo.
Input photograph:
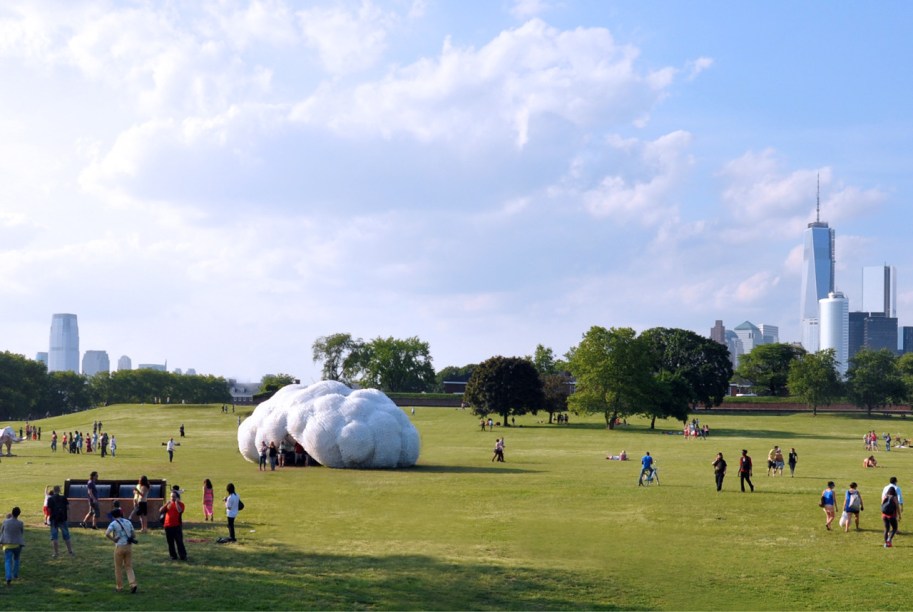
(48, 491)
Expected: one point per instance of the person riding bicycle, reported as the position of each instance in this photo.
(646, 468)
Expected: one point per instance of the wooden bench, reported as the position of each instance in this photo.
(110, 491)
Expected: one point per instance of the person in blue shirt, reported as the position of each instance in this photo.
(828, 502)
(646, 467)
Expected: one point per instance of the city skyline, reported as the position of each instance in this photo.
(223, 183)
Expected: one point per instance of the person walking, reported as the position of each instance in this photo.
(92, 493)
(174, 530)
(12, 538)
(719, 471)
(889, 514)
(58, 509)
(892, 483)
(120, 531)
(745, 471)
(232, 507)
(169, 446)
(829, 503)
(792, 460)
(852, 506)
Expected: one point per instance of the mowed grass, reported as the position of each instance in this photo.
(555, 527)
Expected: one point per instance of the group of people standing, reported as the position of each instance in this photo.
(74, 443)
(775, 466)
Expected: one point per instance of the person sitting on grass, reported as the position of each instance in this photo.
(869, 462)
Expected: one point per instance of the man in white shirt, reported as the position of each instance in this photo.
(884, 493)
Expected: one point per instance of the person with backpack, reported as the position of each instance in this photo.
(892, 484)
(852, 506)
(889, 513)
(120, 531)
(745, 470)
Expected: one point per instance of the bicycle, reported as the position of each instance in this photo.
(648, 476)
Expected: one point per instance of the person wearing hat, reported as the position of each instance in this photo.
(174, 531)
(745, 471)
(120, 531)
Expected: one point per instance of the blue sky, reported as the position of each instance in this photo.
(220, 183)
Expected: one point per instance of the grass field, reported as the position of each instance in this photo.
(555, 527)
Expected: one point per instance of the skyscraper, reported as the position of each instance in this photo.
(835, 328)
(64, 350)
(124, 363)
(718, 332)
(879, 290)
(94, 362)
(817, 277)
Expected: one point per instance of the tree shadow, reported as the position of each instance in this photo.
(256, 575)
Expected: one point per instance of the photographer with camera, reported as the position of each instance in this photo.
(120, 531)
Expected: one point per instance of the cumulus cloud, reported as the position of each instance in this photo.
(339, 427)
(524, 74)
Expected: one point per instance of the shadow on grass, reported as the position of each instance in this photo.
(253, 575)
(467, 469)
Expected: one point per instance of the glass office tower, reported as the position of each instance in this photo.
(64, 353)
(817, 279)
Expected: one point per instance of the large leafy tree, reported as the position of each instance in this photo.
(507, 386)
(556, 389)
(395, 365)
(873, 380)
(767, 366)
(271, 383)
(613, 372)
(690, 370)
(337, 354)
(68, 392)
(814, 378)
(545, 362)
(905, 370)
(23, 384)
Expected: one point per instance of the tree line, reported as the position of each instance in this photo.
(28, 390)
(874, 378)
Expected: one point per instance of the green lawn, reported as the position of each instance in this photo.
(555, 527)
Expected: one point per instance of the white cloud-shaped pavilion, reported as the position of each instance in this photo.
(339, 427)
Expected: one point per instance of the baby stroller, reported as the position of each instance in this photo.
(648, 476)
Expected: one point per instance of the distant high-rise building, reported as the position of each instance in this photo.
(770, 333)
(750, 335)
(734, 344)
(42, 357)
(124, 363)
(835, 328)
(718, 332)
(879, 290)
(64, 350)
(94, 362)
(152, 366)
(906, 339)
(880, 332)
(817, 277)
(191, 372)
(856, 332)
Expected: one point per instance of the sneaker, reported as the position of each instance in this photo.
(133, 589)
(53, 555)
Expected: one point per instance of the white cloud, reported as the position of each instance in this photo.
(347, 40)
(499, 91)
(524, 9)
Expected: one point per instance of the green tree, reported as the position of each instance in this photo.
(23, 385)
(337, 353)
(395, 365)
(690, 370)
(556, 389)
(543, 359)
(270, 383)
(613, 372)
(814, 378)
(68, 392)
(905, 369)
(453, 374)
(767, 366)
(873, 380)
(507, 386)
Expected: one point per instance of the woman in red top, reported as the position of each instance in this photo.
(174, 533)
